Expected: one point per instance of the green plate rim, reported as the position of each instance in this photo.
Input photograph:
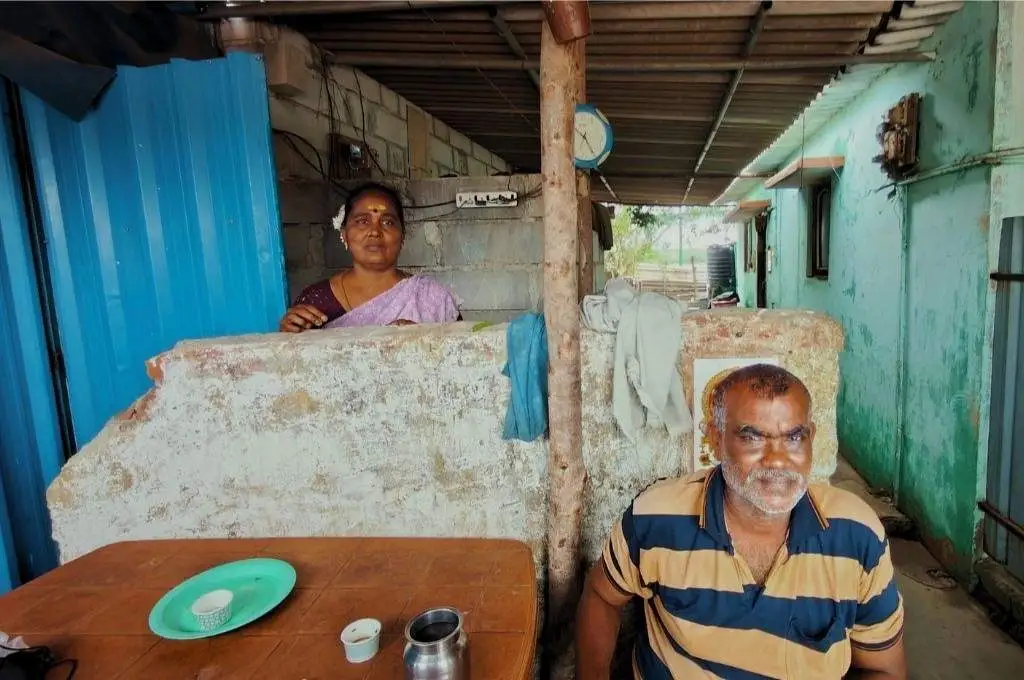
(156, 613)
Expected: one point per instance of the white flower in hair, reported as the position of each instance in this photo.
(339, 220)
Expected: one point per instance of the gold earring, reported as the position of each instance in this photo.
(707, 454)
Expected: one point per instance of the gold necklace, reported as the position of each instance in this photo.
(344, 293)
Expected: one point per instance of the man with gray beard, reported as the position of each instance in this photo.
(747, 570)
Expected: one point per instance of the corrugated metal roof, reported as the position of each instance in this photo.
(662, 116)
(915, 24)
(160, 214)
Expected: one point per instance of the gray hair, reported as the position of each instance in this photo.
(764, 380)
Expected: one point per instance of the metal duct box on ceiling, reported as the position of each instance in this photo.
(287, 73)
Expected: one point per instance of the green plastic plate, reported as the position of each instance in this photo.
(258, 584)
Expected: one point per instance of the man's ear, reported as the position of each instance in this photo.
(712, 435)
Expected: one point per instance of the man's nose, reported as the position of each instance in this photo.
(775, 454)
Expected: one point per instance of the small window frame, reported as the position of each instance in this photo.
(819, 229)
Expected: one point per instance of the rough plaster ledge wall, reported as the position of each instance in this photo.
(383, 432)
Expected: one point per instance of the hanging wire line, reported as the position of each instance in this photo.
(490, 82)
(328, 83)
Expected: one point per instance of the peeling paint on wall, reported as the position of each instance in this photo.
(947, 260)
(386, 432)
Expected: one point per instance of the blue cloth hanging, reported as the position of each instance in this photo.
(527, 370)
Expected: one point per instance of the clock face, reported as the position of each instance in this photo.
(593, 137)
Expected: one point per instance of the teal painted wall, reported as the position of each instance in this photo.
(947, 221)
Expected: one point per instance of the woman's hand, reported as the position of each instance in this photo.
(301, 318)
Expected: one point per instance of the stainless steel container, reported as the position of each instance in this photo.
(436, 646)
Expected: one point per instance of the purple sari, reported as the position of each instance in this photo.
(419, 299)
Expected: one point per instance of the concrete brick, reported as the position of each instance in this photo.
(460, 161)
(494, 289)
(494, 242)
(481, 154)
(390, 101)
(498, 163)
(461, 142)
(299, 278)
(346, 77)
(430, 192)
(296, 239)
(440, 152)
(335, 255)
(477, 169)
(422, 247)
(368, 87)
(304, 202)
(390, 127)
(354, 109)
(289, 165)
(398, 164)
(441, 131)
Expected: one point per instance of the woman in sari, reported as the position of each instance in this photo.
(374, 292)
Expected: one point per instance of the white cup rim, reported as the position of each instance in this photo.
(366, 629)
(212, 602)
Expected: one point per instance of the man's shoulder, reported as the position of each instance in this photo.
(672, 496)
(846, 512)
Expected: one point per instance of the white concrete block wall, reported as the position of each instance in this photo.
(385, 432)
(365, 109)
(491, 258)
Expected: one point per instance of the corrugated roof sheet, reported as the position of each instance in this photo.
(661, 118)
(916, 23)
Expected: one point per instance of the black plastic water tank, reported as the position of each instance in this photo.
(721, 269)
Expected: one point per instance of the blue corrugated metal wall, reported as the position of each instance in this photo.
(160, 214)
(30, 449)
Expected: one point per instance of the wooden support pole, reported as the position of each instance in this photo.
(586, 227)
(585, 214)
(566, 474)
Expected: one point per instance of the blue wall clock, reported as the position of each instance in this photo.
(593, 140)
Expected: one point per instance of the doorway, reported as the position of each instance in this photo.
(761, 268)
(1004, 498)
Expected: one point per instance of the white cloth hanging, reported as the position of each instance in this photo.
(647, 390)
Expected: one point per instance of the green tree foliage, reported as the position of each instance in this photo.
(638, 228)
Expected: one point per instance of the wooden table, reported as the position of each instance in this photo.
(96, 608)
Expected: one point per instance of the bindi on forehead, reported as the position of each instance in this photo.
(376, 207)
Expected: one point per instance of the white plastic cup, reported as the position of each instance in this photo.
(213, 609)
(361, 640)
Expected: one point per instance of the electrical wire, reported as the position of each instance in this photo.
(290, 137)
(328, 82)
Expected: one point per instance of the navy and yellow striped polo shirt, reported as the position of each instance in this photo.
(832, 586)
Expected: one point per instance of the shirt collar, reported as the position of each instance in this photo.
(807, 519)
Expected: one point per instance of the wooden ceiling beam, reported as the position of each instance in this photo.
(641, 113)
(627, 64)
